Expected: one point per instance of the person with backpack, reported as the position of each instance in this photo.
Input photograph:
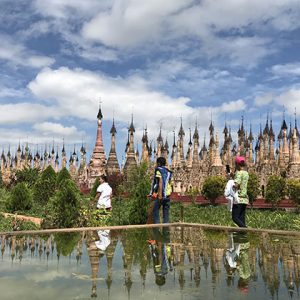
(161, 190)
(241, 183)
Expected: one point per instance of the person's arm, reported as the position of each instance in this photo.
(160, 189)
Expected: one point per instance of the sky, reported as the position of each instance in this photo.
(160, 61)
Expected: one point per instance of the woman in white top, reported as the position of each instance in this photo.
(104, 193)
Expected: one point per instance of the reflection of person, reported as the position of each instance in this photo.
(161, 255)
(161, 190)
(241, 183)
(104, 240)
(237, 258)
(104, 192)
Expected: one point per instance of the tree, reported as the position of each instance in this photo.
(213, 187)
(293, 190)
(253, 189)
(64, 206)
(93, 191)
(275, 190)
(138, 187)
(45, 186)
(20, 198)
(27, 175)
(193, 192)
(62, 176)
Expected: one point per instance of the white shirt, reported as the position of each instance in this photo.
(105, 193)
(231, 194)
(104, 240)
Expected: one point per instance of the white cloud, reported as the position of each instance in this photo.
(56, 129)
(290, 99)
(16, 54)
(26, 113)
(233, 106)
(264, 99)
(291, 69)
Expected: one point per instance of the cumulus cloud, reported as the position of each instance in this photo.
(290, 99)
(291, 69)
(263, 100)
(18, 113)
(17, 54)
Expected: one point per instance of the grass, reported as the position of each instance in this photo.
(219, 215)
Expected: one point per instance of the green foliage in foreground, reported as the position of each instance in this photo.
(213, 187)
(219, 215)
(293, 190)
(20, 198)
(9, 224)
(275, 189)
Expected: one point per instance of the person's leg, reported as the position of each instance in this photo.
(236, 213)
(156, 208)
(243, 213)
(166, 208)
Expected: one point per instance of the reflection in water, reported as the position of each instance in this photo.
(168, 263)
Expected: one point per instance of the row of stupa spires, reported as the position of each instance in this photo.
(212, 156)
(41, 159)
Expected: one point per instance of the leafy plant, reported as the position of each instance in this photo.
(293, 190)
(213, 187)
(93, 191)
(253, 188)
(275, 189)
(63, 209)
(45, 186)
(27, 175)
(138, 186)
(193, 192)
(20, 198)
(62, 176)
(66, 242)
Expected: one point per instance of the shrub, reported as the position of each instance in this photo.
(20, 198)
(213, 187)
(45, 186)
(275, 189)
(64, 206)
(62, 176)
(138, 187)
(93, 191)
(293, 190)
(253, 189)
(27, 175)
(66, 242)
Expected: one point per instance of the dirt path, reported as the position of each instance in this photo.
(34, 220)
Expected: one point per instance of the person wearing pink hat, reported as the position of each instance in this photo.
(241, 183)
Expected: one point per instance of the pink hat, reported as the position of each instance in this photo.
(240, 160)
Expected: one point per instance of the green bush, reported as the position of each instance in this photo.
(213, 187)
(275, 190)
(63, 209)
(45, 186)
(28, 176)
(138, 187)
(253, 188)
(93, 191)
(4, 198)
(20, 198)
(62, 176)
(293, 190)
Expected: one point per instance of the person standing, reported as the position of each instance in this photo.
(161, 188)
(241, 183)
(104, 193)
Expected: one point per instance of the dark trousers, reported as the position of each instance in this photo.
(239, 214)
(165, 203)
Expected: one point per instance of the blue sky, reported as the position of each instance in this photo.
(160, 60)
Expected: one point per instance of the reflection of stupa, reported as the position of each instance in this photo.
(94, 255)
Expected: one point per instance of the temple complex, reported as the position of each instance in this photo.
(266, 154)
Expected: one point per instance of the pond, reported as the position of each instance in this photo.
(169, 263)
